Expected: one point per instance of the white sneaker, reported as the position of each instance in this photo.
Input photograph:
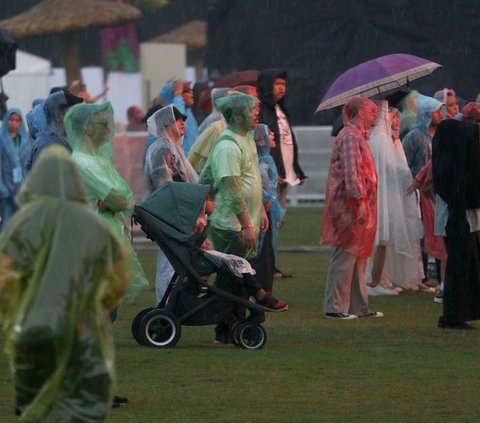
(380, 290)
(438, 298)
(341, 316)
(373, 314)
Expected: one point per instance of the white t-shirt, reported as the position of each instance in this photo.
(286, 146)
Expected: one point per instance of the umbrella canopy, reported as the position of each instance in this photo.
(65, 17)
(246, 77)
(7, 53)
(376, 76)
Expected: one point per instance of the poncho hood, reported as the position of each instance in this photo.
(82, 125)
(53, 175)
(425, 108)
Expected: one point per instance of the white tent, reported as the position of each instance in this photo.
(30, 80)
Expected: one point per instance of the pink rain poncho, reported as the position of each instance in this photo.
(352, 181)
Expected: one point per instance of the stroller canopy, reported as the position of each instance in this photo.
(177, 205)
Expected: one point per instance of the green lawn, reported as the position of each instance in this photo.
(397, 369)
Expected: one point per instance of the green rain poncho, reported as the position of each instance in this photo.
(89, 129)
(61, 270)
(233, 166)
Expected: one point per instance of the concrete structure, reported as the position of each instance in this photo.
(30, 80)
(160, 63)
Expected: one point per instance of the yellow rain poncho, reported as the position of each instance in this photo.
(61, 271)
(89, 129)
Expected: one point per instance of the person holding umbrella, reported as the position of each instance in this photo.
(350, 217)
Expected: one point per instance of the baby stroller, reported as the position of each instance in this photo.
(169, 217)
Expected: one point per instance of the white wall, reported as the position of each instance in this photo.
(27, 82)
(160, 63)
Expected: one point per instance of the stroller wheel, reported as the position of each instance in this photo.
(160, 329)
(136, 323)
(249, 335)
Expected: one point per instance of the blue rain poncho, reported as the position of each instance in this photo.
(14, 155)
(36, 119)
(269, 174)
(89, 130)
(418, 143)
(191, 126)
(54, 133)
(61, 271)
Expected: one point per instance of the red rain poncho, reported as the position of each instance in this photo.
(352, 181)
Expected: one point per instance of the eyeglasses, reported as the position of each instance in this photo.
(104, 122)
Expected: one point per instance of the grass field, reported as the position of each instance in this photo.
(397, 369)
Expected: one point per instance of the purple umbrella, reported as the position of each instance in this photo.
(375, 77)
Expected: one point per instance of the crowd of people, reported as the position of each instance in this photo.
(401, 188)
(400, 191)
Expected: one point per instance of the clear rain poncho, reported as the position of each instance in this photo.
(216, 114)
(14, 155)
(269, 174)
(89, 130)
(399, 227)
(191, 126)
(165, 162)
(61, 271)
(165, 159)
(352, 181)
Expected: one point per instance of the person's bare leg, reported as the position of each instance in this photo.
(378, 263)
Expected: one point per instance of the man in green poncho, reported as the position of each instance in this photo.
(89, 129)
(61, 270)
(233, 166)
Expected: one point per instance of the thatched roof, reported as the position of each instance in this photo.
(58, 16)
(193, 34)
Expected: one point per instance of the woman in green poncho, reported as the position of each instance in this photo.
(89, 129)
(61, 269)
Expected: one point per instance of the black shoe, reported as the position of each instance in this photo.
(223, 339)
(120, 400)
(453, 325)
(117, 401)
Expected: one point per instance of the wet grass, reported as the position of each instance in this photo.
(397, 369)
